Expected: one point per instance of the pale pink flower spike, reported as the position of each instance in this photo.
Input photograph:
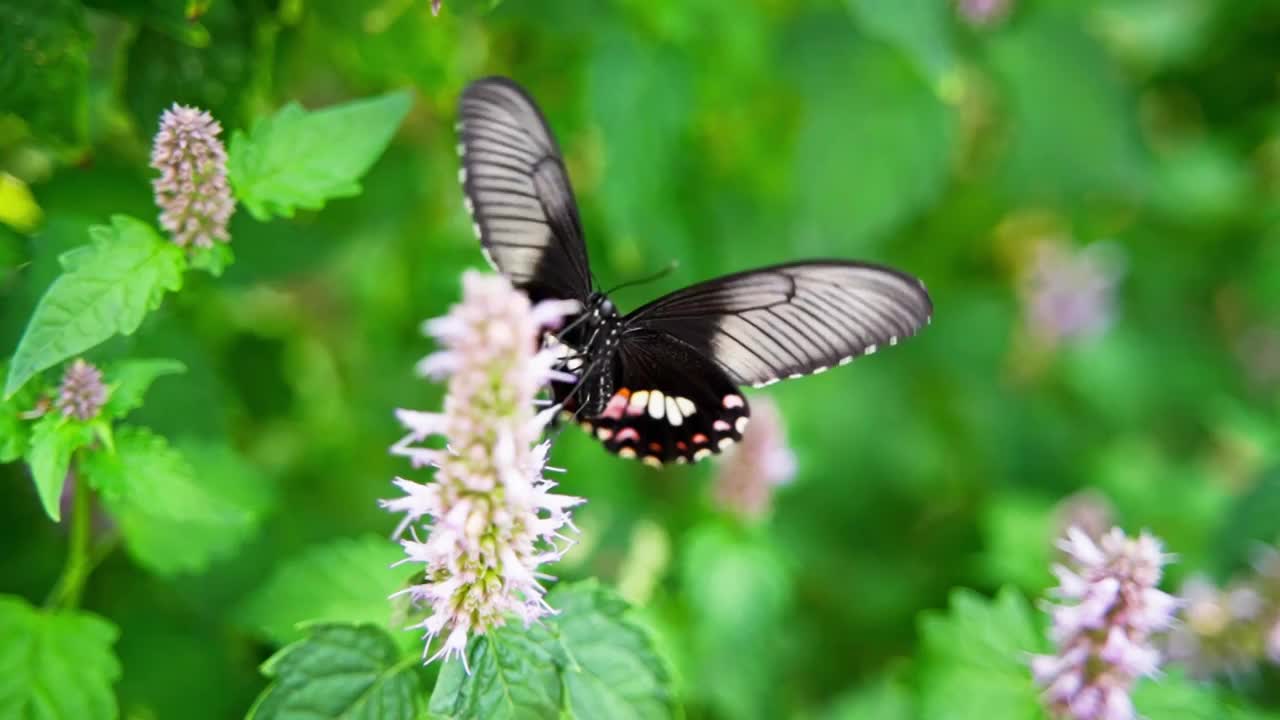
(488, 519)
(192, 191)
(1109, 608)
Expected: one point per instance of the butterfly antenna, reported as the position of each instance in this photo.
(670, 268)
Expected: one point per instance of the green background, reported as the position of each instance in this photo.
(722, 135)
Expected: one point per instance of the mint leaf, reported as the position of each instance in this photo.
(106, 289)
(346, 580)
(1046, 60)
(130, 379)
(172, 518)
(54, 439)
(1173, 697)
(514, 675)
(46, 76)
(299, 158)
(586, 661)
(737, 591)
(613, 670)
(921, 29)
(886, 700)
(55, 666)
(874, 147)
(15, 430)
(975, 664)
(341, 671)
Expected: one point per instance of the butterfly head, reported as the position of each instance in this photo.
(601, 307)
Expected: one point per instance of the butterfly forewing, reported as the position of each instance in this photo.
(518, 192)
(791, 320)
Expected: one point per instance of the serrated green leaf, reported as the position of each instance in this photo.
(56, 666)
(130, 379)
(45, 75)
(15, 429)
(976, 660)
(54, 439)
(586, 661)
(299, 158)
(177, 511)
(341, 671)
(346, 580)
(874, 148)
(613, 670)
(920, 29)
(106, 289)
(516, 677)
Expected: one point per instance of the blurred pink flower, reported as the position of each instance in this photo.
(983, 12)
(192, 192)
(81, 394)
(1102, 628)
(752, 469)
(491, 518)
(1069, 294)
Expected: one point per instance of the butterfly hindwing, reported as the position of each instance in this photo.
(668, 403)
(518, 192)
(775, 323)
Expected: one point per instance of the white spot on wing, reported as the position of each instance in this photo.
(870, 350)
(673, 412)
(846, 360)
(462, 175)
(604, 433)
(626, 452)
(701, 453)
(733, 401)
(893, 340)
(741, 424)
(657, 404)
(725, 442)
(686, 406)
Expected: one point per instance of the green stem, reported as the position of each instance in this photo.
(66, 591)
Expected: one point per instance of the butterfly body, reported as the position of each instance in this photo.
(661, 383)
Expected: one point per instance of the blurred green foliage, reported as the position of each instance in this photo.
(720, 135)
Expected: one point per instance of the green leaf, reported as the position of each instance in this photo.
(1174, 697)
(921, 29)
(130, 379)
(106, 289)
(177, 511)
(514, 675)
(613, 670)
(587, 661)
(737, 592)
(874, 148)
(54, 439)
(976, 660)
(887, 699)
(341, 671)
(45, 76)
(177, 18)
(15, 429)
(1045, 61)
(1253, 519)
(56, 666)
(643, 148)
(345, 580)
(299, 158)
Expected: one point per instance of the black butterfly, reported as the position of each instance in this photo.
(661, 383)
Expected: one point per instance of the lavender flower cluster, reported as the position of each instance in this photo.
(489, 515)
(1109, 608)
(192, 191)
